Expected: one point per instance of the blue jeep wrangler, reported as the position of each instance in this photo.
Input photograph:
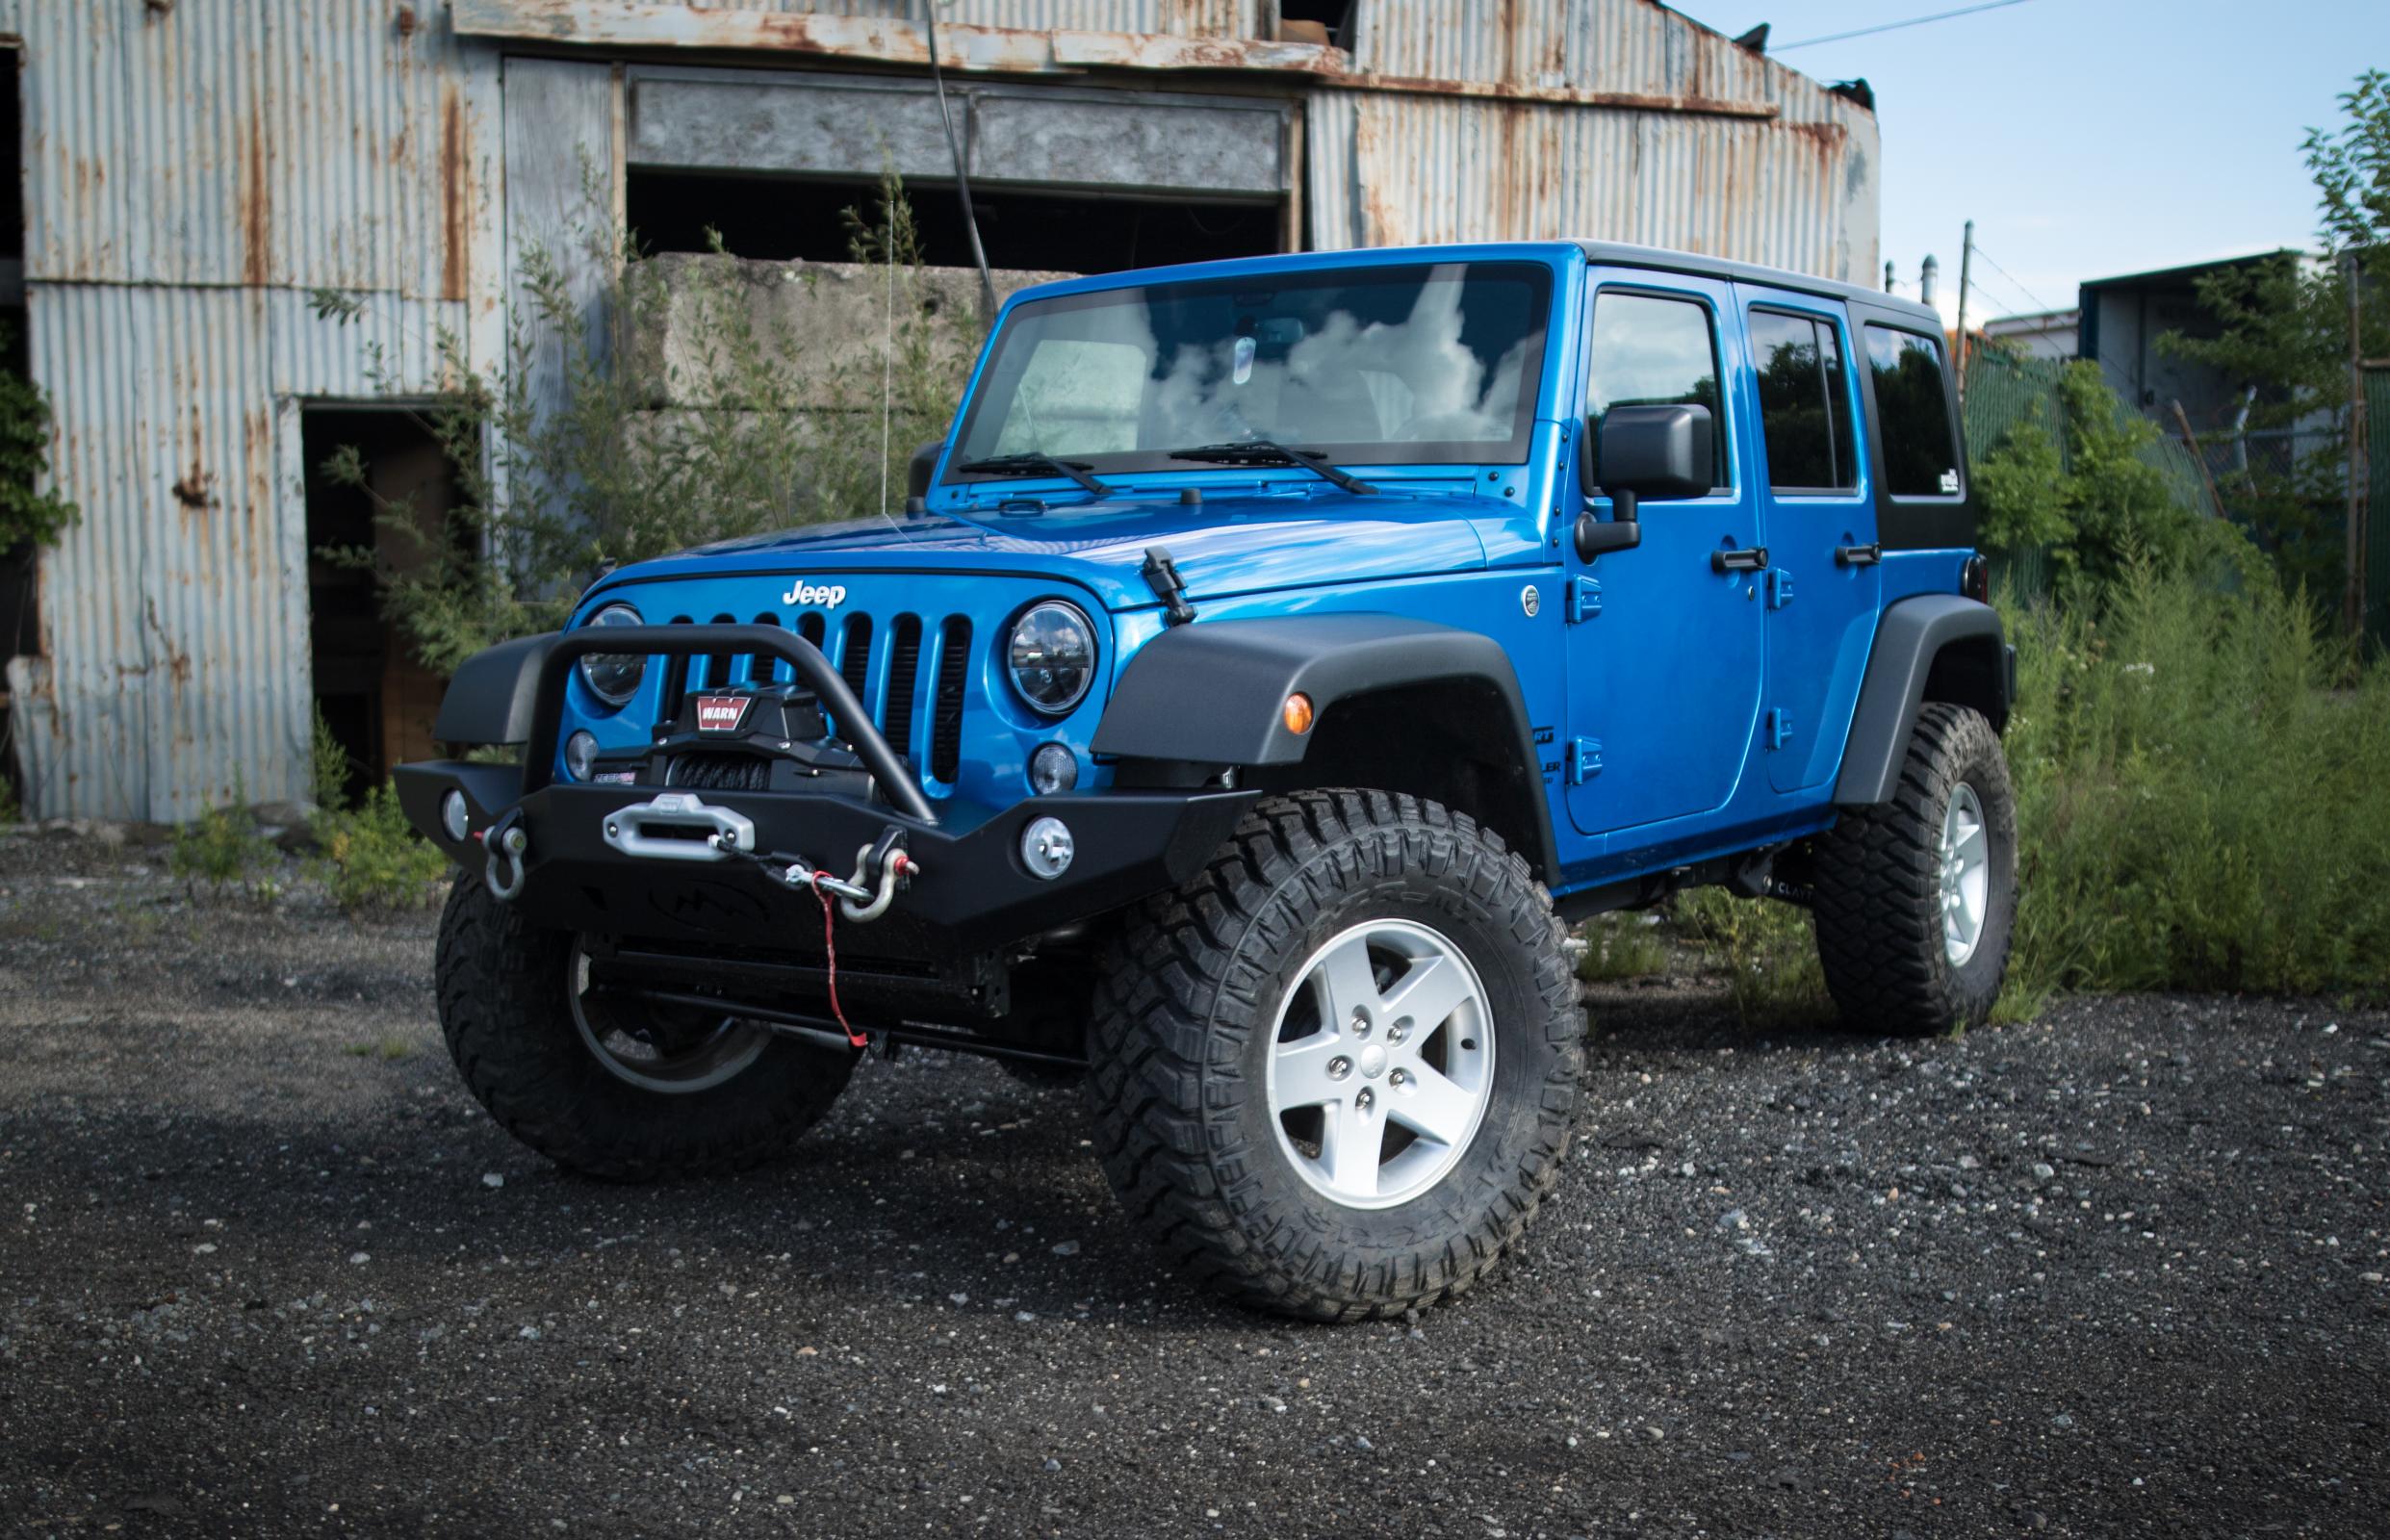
(1272, 658)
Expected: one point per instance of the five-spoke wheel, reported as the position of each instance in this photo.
(1382, 1058)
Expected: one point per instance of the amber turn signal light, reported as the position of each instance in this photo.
(1295, 713)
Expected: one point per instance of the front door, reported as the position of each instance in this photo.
(1818, 592)
(1664, 646)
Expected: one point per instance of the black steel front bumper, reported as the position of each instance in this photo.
(972, 893)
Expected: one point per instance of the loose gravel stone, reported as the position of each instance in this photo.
(856, 1344)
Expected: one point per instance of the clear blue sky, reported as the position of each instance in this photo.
(2085, 138)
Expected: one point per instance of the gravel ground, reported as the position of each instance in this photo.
(268, 1271)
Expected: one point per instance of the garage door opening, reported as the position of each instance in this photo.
(378, 699)
(802, 218)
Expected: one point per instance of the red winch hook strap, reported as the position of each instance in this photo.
(830, 953)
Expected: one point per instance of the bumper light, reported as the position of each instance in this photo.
(455, 821)
(580, 756)
(1047, 848)
(1053, 768)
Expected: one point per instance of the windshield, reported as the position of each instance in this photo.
(1377, 366)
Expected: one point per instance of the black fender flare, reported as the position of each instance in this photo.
(1210, 693)
(1913, 637)
(490, 696)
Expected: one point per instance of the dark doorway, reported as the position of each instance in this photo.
(783, 218)
(376, 697)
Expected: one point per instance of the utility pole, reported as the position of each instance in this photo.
(2353, 594)
(1966, 260)
(1929, 272)
(1888, 277)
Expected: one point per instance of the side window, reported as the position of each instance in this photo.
(1651, 351)
(1804, 405)
(1912, 414)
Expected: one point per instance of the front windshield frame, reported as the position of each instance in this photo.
(998, 375)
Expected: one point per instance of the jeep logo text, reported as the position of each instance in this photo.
(829, 596)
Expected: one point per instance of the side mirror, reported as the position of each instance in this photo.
(922, 467)
(1654, 453)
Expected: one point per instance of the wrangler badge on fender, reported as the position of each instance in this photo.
(722, 714)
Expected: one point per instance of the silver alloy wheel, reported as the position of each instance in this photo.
(695, 1060)
(1380, 1065)
(1965, 874)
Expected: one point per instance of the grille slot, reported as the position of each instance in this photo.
(954, 666)
(904, 672)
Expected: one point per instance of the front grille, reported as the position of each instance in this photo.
(881, 663)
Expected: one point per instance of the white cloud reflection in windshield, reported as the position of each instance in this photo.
(1308, 366)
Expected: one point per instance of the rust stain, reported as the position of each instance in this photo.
(178, 660)
(197, 490)
(256, 208)
(455, 192)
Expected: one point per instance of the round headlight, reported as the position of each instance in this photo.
(613, 677)
(1051, 654)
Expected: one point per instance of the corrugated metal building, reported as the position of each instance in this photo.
(194, 172)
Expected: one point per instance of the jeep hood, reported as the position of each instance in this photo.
(1223, 546)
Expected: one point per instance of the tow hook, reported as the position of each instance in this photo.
(504, 843)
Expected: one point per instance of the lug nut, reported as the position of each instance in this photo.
(1339, 1067)
(1398, 1079)
(1365, 1100)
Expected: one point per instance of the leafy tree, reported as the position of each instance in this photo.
(2086, 490)
(25, 513)
(2285, 336)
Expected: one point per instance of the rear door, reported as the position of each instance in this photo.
(1664, 648)
(1818, 592)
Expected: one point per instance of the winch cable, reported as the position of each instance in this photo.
(830, 968)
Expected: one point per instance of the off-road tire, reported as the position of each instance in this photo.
(1186, 1011)
(1878, 893)
(507, 1017)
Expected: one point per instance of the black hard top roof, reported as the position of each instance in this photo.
(1659, 259)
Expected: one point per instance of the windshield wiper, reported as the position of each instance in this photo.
(1262, 452)
(1037, 464)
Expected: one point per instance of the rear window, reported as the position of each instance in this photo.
(1805, 404)
(1912, 414)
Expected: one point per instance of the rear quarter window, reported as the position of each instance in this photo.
(1912, 414)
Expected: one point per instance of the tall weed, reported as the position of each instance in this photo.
(2201, 793)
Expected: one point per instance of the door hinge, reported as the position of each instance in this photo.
(1779, 726)
(1584, 600)
(1585, 760)
(1779, 587)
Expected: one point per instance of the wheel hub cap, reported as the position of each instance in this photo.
(1382, 1064)
(1965, 874)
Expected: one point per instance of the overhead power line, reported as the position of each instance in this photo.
(1894, 26)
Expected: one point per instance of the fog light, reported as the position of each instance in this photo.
(1047, 848)
(1053, 768)
(581, 755)
(454, 822)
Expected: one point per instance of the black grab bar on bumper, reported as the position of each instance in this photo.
(854, 723)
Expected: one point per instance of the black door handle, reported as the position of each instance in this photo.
(1751, 558)
(1866, 555)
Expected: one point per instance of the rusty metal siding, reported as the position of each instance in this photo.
(271, 142)
(191, 175)
(1175, 18)
(1388, 170)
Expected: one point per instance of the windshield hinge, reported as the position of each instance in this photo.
(1161, 575)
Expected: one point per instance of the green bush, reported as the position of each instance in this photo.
(225, 849)
(371, 858)
(2202, 794)
(1766, 950)
(1621, 946)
